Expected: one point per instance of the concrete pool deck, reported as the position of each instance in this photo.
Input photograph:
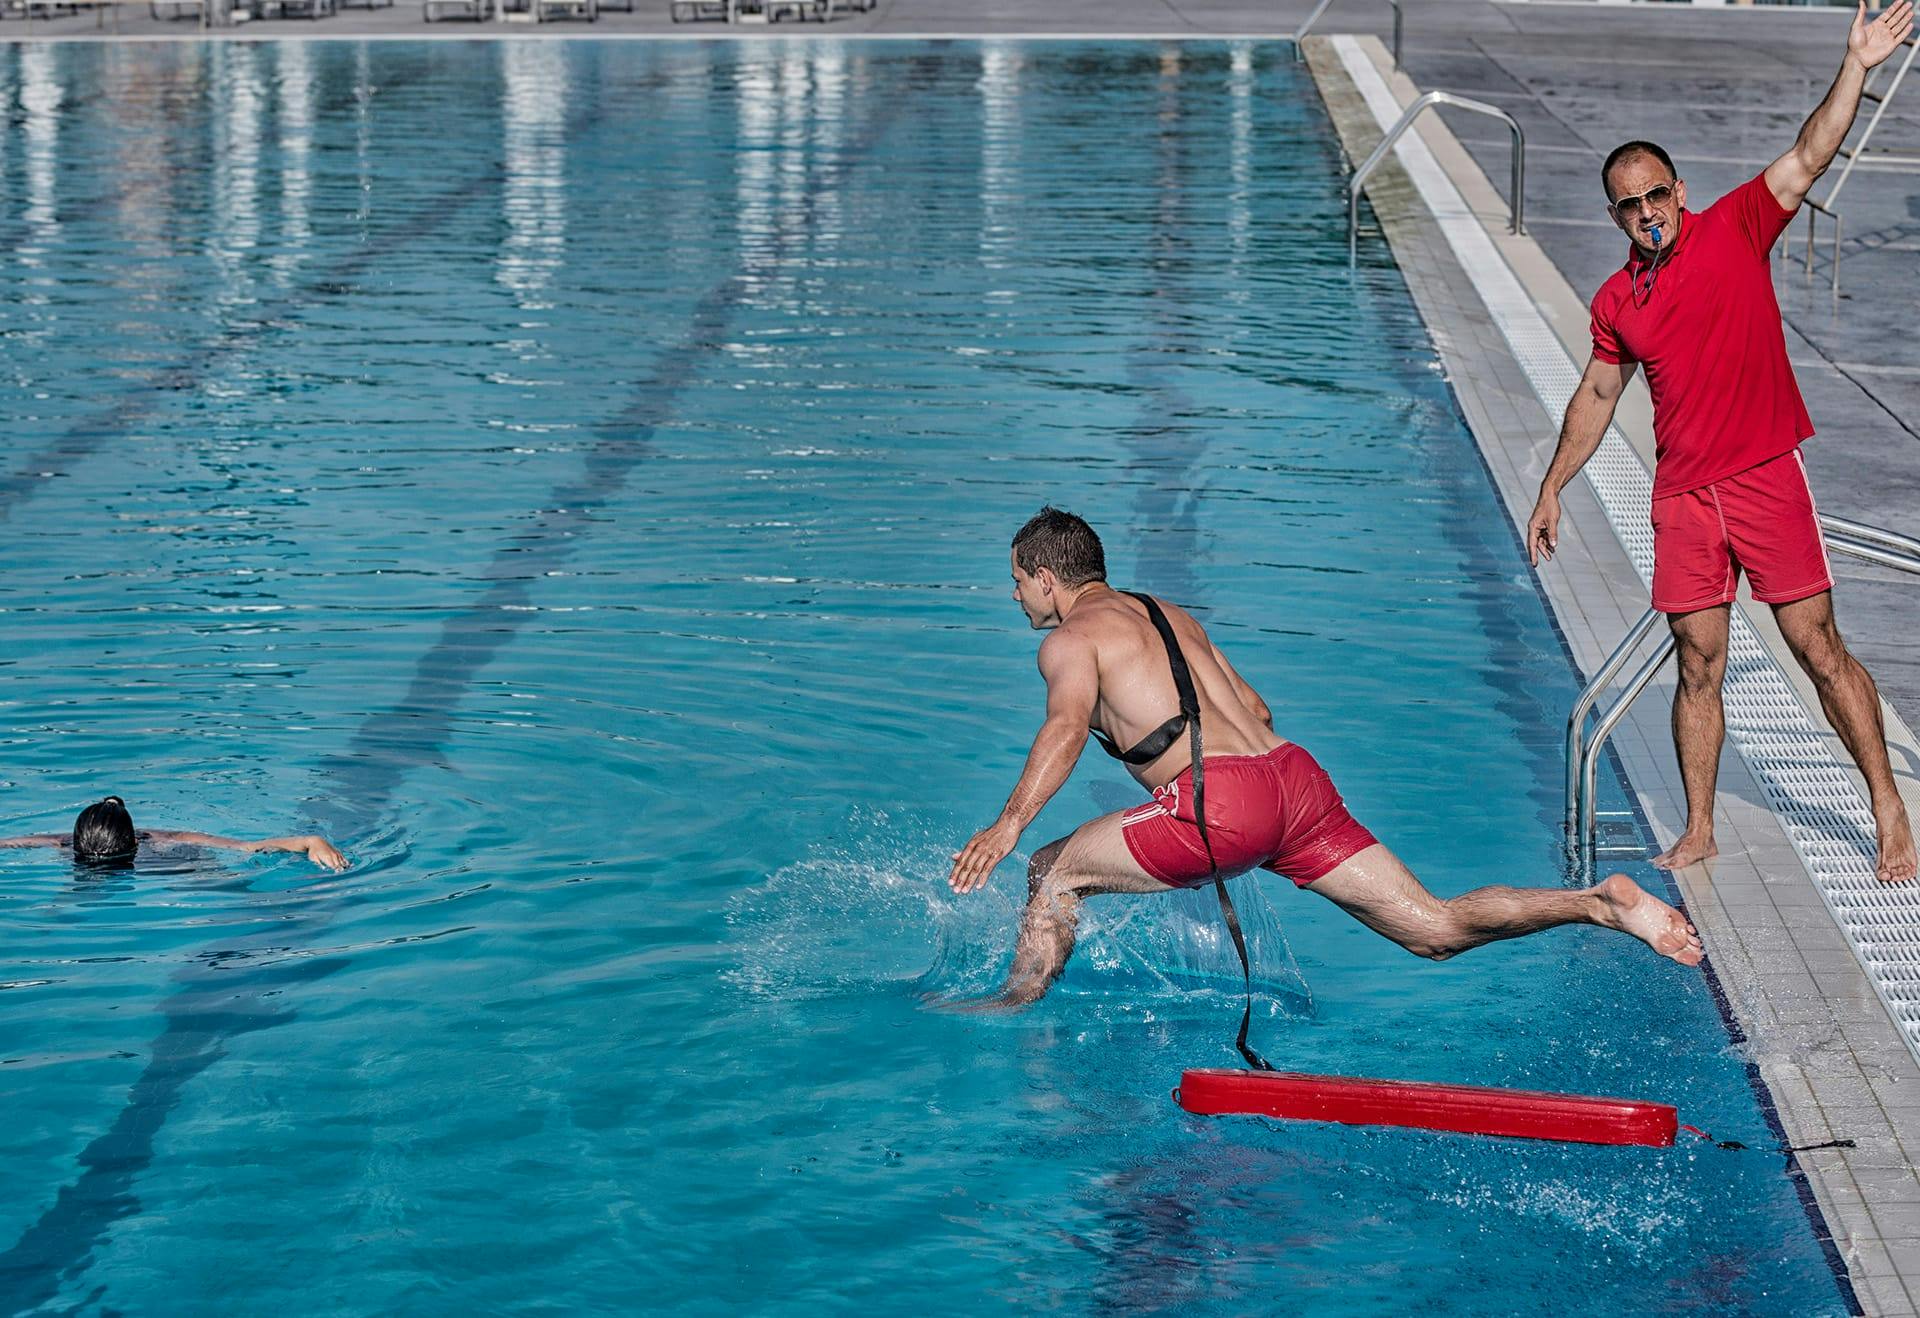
(1725, 89)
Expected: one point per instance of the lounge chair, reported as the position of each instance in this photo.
(545, 9)
(165, 10)
(683, 10)
(475, 11)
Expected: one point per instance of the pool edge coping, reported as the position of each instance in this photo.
(1826, 1064)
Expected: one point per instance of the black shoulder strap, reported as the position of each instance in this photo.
(1190, 706)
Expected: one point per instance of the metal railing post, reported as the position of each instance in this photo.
(1300, 33)
(1577, 720)
(1590, 756)
(1516, 220)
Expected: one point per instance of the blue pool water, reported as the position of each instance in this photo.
(577, 477)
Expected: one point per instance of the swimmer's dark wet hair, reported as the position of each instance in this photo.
(104, 831)
(1060, 541)
(1627, 151)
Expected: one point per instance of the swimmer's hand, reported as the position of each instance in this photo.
(322, 852)
(973, 864)
(1543, 528)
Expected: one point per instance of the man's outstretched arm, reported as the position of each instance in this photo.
(311, 845)
(1791, 177)
(1073, 685)
(1588, 413)
(37, 840)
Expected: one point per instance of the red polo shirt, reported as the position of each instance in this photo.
(1709, 337)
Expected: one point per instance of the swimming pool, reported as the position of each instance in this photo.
(577, 476)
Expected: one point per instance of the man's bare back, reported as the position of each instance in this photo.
(1136, 688)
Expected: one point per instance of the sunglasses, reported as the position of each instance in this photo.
(1655, 198)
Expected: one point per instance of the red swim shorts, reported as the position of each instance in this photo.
(1761, 521)
(1277, 811)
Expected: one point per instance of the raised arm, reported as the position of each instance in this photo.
(1791, 177)
(311, 845)
(1073, 685)
(1588, 413)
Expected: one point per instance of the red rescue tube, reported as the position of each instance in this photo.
(1466, 1109)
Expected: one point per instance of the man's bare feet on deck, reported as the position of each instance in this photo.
(1690, 849)
(1631, 909)
(1896, 861)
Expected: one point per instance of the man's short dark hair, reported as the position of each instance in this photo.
(1063, 543)
(1627, 151)
(104, 831)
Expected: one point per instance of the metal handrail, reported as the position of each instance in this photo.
(1516, 221)
(1577, 720)
(1299, 33)
(1855, 539)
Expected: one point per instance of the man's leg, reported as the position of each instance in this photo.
(1699, 727)
(1380, 892)
(1852, 705)
(1094, 859)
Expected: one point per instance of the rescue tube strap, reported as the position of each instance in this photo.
(1778, 1148)
(1190, 710)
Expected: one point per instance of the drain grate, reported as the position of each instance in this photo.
(1823, 813)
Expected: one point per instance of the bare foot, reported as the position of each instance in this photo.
(1631, 909)
(1897, 862)
(1690, 849)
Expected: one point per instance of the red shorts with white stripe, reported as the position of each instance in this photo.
(1761, 521)
(1277, 811)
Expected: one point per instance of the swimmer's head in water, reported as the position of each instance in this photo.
(104, 831)
(1054, 550)
(1644, 194)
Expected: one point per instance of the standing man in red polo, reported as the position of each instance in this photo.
(1695, 305)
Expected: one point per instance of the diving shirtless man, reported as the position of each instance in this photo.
(1268, 804)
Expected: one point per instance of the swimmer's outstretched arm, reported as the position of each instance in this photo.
(311, 845)
(38, 840)
(1073, 686)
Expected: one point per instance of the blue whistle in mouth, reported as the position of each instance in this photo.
(1654, 234)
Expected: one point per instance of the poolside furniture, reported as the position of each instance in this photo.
(800, 9)
(169, 10)
(474, 11)
(683, 10)
(365, 4)
(545, 9)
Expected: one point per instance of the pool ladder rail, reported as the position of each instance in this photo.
(1300, 33)
(1582, 821)
(1516, 205)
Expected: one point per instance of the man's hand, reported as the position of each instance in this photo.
(1871, 43)
(1543, 528)
(322, 852)
(973, 864)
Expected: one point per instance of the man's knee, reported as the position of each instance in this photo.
(1434, 948)
(1701, 668)
(1438, 940)
(1042, 865)
(1823, 654)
